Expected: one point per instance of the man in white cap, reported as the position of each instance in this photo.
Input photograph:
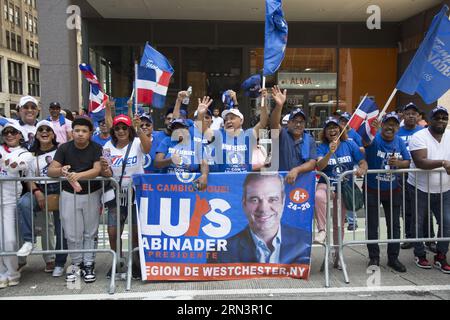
(28, 113)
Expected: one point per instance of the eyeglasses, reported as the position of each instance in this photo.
(118, 128)
(46, 129)
(11, 132)
(298, 123)
(147, 124)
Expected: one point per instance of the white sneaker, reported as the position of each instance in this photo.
(25, 250)
(58, 271)
(3, 281)
(320, 237)
(13, 281)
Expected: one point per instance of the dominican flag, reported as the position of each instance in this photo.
(152, 78)
(363, 117)
(97, 98)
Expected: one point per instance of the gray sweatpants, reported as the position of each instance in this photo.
(80, 219)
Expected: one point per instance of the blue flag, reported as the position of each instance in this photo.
(275, 37)
(152, 59)
(428, 74)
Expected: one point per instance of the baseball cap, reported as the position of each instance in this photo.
(347, 116)
(252, 85)
(24, 100)
(178, 121)
(207, 111)
(296, 112)
(44, 123)
(391, 115)
(54, 104)
(14, 125)
(147, 116)
(438, 109)
(236, 112)
(330, 120)
(122, 119)
(410, 106)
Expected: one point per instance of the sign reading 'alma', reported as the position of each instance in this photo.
(287, 80)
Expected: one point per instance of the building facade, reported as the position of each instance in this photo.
(19, 53)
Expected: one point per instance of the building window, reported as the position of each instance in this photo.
(13, 42)
(5, 10)
(1, 72)
(19, 44)
(15, 77)
(33, 82)
(17, 16)
(8, 40)
(11, 12)
(31, 49)
(30, 23)
(26, 21)
(35, 26)
(36, 50)
(28, 47)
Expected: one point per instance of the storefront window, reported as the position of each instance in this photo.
(309, 75)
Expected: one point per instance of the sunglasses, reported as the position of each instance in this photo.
(11, 132)
(46, 129)
(118, 128)
(147, 124)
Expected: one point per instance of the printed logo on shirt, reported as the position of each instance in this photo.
(147, 160)
(117, 161)
(184, 177)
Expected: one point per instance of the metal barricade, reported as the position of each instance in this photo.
(404, 185)
(45, 181)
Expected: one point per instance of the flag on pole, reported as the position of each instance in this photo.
(152, 78)
(428, 74)
(97, 98)
(363, 117)
(276, 34)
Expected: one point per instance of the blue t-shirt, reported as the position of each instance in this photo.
(353, 135)
(295, 153)
(201, 143)
(348, 155)
(98, 139)
(378, 154)
(235, 155)
(149, 161)
(406, 134)
(190, 161)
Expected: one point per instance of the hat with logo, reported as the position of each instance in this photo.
(330, 120)
(285, 120)
(24, 100)
(410, 106)
(236, 112)
(44, 123)
(207, 111)
(439, 109)
(391, 115)
(347, 116)
(122, 119)
(296, 112)
(146, 116)
(180, 121)
(54, 104)
(252, 85)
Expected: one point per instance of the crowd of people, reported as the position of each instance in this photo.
(121, 145)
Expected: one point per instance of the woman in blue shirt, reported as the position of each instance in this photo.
(334, 157)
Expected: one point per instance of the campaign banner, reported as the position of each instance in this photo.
(244, 225)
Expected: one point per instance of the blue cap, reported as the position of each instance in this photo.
(347, 116)
(147, 116)
(208, 111)
(183, 122)
(330, 120)
(410, 106)
(391, 115)
(252, 85)
(439, 109)
(296, 112)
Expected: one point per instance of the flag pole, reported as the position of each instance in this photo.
(387, 104)
(263, 87)
(348, 122)
(135, 88)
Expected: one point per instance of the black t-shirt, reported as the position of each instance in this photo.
(80, 160)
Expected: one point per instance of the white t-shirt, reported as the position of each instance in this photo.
(44, 163)
(10, 190)
(217, 123)
(435, 151)
(135, 162)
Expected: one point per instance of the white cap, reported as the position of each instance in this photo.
(45, 123)
(15, 125)
(24, 100)
(285, 119)
(236, 112)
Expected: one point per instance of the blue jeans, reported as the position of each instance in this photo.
(28, 205)
(422, 210)
(352, 218)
